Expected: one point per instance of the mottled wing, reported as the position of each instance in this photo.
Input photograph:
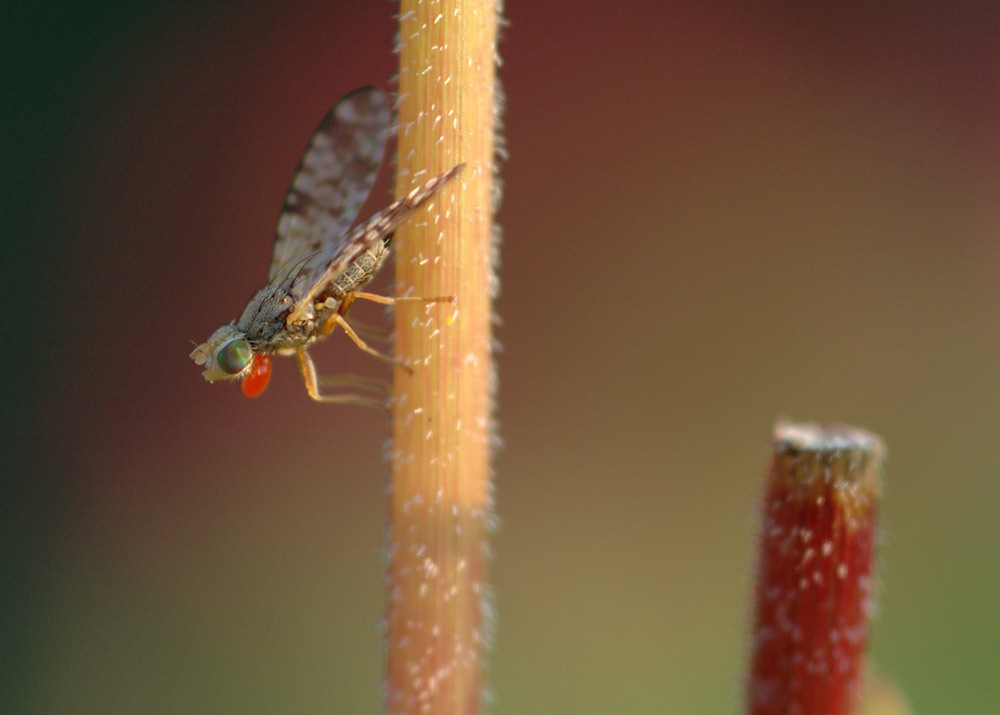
(333, 179)
(315, 274)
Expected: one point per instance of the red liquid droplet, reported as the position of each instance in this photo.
(257, 376)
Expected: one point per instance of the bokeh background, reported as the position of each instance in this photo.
(715, 214)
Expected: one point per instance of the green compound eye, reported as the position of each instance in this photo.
(234, 356)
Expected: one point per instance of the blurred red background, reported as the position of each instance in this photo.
(713, 216)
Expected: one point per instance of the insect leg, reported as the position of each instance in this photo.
(357, 381)
(308, 370)
(370, 332)
(338, 319)
(365, 330)
(388, 300)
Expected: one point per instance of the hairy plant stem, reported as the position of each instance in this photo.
(438, 600)
(816, 582)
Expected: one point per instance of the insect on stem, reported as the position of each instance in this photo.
(318, 265)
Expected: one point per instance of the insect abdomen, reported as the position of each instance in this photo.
(361, 269)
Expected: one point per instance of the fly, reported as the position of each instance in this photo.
(318, 265)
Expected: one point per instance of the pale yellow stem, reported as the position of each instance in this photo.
(440, 506)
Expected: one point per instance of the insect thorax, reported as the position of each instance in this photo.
(265, 320)
(272, 326)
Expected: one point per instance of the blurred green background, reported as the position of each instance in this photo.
(714, 215)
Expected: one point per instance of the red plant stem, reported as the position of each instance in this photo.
(815, 588)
